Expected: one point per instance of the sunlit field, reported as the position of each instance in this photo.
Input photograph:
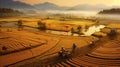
(28, 45)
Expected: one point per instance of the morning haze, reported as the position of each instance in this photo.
(73, 2)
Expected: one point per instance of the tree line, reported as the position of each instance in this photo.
(8, 12)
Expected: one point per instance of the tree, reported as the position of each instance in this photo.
(112, 33)
(41, 25)
(72, 31)
(20, 24)
(79, 29)
(86, 27)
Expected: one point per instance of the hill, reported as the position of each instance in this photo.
(110, 11)
(89, 7)
(14, 4)
(47, 6)
(8, 12)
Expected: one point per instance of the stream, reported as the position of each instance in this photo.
(88, 32)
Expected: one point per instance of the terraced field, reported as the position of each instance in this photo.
(17, 41)
(20, 45)
(52, 54)
(109, 50)
(65, 41)
(105, 55)
(33, 49)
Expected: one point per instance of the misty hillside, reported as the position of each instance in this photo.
(8, 12)
(110, 11)
(89, 7)
(47, 6)
(14, 4)
(26, 8)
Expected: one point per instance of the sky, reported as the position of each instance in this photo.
(73, 2)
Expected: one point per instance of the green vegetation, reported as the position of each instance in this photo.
(41, 25)
(8, 12)
(110, 11)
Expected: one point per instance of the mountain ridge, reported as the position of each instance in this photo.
(50, 6)
(14, 4)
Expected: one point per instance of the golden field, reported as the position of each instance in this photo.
(26, 47)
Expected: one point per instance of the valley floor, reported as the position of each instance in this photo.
(28, 48)
(17, 47)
